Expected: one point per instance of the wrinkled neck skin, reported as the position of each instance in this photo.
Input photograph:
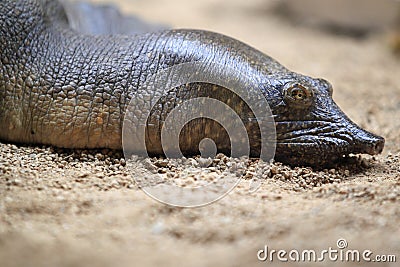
(59, 87)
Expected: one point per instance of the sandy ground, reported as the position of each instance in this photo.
(79, 208)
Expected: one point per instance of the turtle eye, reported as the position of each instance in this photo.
(298, 95)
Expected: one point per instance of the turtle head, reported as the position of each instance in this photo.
(311, 129)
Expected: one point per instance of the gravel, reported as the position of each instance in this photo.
(107, 169)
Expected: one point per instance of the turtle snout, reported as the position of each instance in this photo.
(375, 145)
(369, 143)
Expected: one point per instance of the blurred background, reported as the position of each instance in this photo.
(354, 15)
(356, 18)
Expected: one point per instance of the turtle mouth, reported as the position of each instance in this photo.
(321, 143)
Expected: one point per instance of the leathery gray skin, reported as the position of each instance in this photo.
(63, 88)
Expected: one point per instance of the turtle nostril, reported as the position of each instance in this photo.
(379, 145)
(376, 146)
